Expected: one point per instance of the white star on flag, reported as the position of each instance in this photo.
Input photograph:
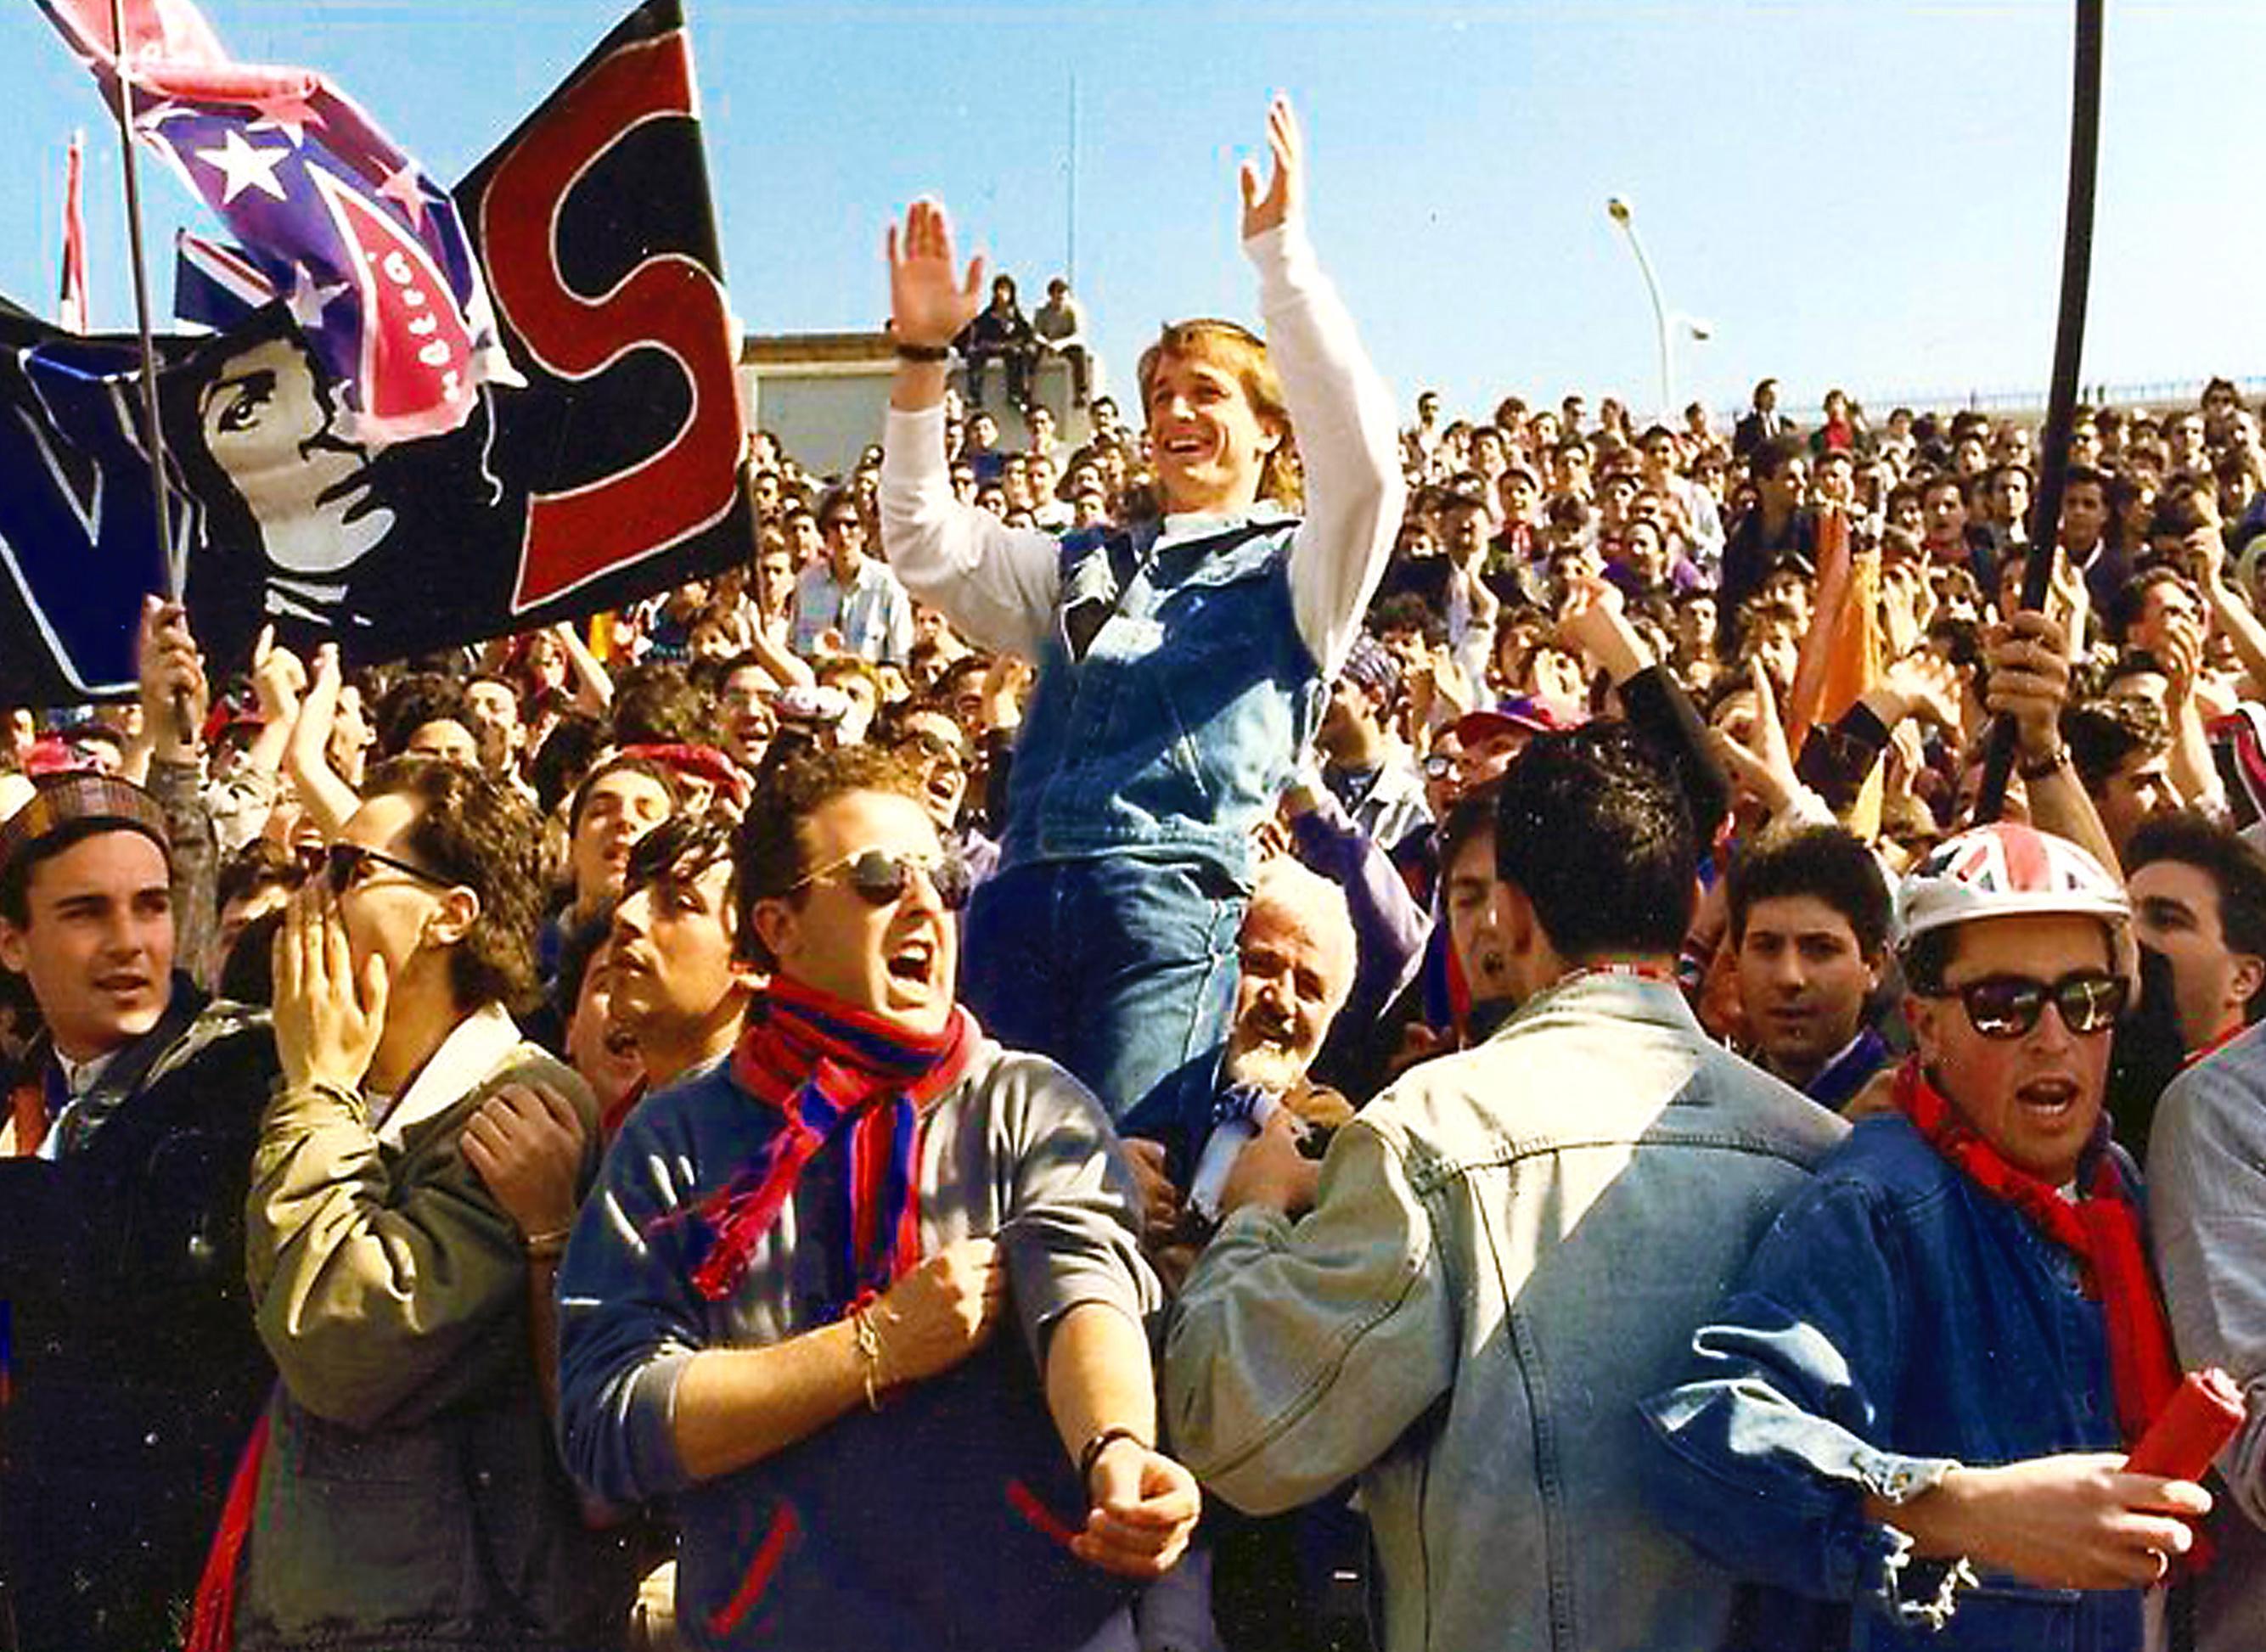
(309, 299)
(245, 167)
(400, 187)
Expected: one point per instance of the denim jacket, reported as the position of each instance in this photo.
(1896, 1322)
(1509, 1249)
(1173, 733)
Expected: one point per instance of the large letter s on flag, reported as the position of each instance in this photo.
(667, 302)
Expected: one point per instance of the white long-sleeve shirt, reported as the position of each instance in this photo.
(1000, 586)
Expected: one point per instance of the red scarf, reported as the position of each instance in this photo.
(828, 1067)
(831, 1068)
(2101, 1229)
(212, 1619)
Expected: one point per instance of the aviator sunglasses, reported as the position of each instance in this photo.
(882, 875)
(2008, 1006)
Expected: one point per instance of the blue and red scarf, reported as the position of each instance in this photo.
(831, 1070)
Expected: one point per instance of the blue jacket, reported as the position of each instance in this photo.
(1173, 733)
(935, 1525)
(1897, 1321)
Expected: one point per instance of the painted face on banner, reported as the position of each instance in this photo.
(269, 426)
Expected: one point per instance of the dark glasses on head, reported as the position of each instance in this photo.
(346, 865)
(2008, 1006)
(882, 875)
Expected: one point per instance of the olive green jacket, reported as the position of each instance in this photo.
(411, 1497)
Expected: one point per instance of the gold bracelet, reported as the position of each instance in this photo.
(546, 1247)
(869, 1354)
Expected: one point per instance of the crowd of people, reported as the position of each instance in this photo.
(1278, 1030)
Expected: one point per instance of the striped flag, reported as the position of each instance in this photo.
(216, 287)
(72, 306)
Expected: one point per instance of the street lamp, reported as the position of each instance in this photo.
(1616, 209)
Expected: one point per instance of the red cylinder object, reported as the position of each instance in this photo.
(2200, 1419)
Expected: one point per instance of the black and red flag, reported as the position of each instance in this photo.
(611, 473)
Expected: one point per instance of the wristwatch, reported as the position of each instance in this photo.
(2040, 768)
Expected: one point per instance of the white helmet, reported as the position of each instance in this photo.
(2005, 870)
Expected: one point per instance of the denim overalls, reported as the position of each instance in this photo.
(1107, 937)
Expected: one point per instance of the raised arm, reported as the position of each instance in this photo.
(998, 585)
(1342, 413)
(594, 686)
(169, 753)
(323, 792)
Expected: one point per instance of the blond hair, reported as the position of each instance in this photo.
(1237, 350)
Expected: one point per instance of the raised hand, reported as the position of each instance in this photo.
(929, 302)
(1929, 686)
(1285, 197)
(277, 677)
(1759, 763)
(2028, 662)
(171, 674)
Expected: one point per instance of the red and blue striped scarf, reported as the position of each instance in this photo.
(829, 1069)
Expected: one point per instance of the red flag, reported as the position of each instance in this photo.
(165, 31)
(72, 309)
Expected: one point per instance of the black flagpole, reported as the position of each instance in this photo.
(2061, 402)
(124, 109)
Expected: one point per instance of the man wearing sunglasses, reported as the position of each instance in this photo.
(778, 1308)
(404, 1491)
(1918, 1403)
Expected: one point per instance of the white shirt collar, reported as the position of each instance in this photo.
(476, 1049)
(79, 1077)
(1195, 524)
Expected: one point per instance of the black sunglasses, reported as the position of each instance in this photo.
(346, 865)
(882, 875)
(933, 749)
(2008, 1006)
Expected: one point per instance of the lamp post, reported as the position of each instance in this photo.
(1616, 209)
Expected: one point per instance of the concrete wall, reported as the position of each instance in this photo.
(826, 402)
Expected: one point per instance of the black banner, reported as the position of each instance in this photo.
(612, 474)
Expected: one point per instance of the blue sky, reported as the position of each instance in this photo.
(1857, 191)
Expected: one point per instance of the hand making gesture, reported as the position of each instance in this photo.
(327, 1020)
(1285, 194)
(929, 302)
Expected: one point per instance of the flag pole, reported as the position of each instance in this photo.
(183, 717)
(2061, 400)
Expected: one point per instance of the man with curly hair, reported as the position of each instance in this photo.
(403, 1492)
